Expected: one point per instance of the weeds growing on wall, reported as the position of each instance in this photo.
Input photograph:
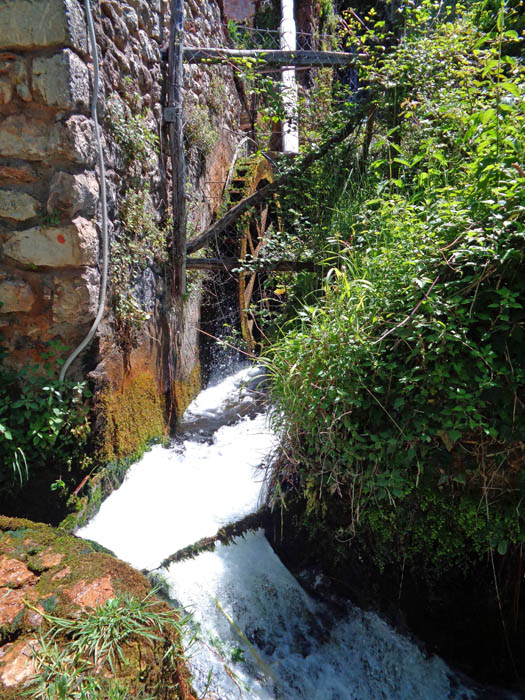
(400, 384)
(141, 241)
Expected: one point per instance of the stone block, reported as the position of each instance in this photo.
(73, 194)
(61, 81)
(16, 295)
(76, 298)
(17, 205)
(148, 52)
(74, 245)
(22, 136)
(13, 79)
(17, 174)
(38, 24)
(131, 19)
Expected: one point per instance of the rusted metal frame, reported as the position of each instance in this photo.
(266, 57)
(173, 116)
(234, 263)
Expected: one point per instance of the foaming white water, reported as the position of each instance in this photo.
(173, 497)
(258, 630)
(297, 649)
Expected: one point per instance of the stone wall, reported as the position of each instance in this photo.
(50, 245)
(240, 10)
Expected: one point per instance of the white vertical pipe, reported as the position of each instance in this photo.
(289, 89)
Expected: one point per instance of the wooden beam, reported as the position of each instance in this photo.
(234, 263)
(299, 166)
(270, 57)
(173, 115)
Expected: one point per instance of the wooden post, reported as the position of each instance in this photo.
(173, 115)
(289, 88)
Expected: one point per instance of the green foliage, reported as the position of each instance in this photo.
(405, 382)
(141, 243)
(132, 131)
(199, 132)
(96, 644)
(43, 424)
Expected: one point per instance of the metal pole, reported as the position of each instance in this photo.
(173, 115)
(289, 89)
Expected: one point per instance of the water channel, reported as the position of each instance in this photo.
(258, 633)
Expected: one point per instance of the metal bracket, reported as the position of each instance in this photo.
(170, 114)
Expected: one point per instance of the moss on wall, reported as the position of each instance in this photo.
(185, 390)
(133, 417)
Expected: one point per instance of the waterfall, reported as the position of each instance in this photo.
(258, 634)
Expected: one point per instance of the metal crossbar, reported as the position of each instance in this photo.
(269, 57)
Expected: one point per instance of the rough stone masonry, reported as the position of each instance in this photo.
(50, 245)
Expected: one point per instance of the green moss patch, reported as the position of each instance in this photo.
(133, 417)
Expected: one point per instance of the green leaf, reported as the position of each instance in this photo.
(502, 547)
(512, 88)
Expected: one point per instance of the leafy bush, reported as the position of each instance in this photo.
(43, 426)
(409, 373)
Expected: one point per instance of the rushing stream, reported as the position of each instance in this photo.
(259, 634)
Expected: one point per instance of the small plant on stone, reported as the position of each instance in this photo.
(199, 133)
(76, 655)
(132, 132)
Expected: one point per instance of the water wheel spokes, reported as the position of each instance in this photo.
(252, 232)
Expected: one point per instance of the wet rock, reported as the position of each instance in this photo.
(13, 604)
(49, 559)
(73, 245)
(14, 573)
(61, 574)
(91, 594)
(71, 579)
(18, 662)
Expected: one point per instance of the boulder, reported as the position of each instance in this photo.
(18, 206)
(45, 572)
(73, 245)
(73, 194)
(61, 81)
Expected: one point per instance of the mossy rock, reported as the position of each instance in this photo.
(46, 572)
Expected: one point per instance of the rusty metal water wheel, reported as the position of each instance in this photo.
(251, 174)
